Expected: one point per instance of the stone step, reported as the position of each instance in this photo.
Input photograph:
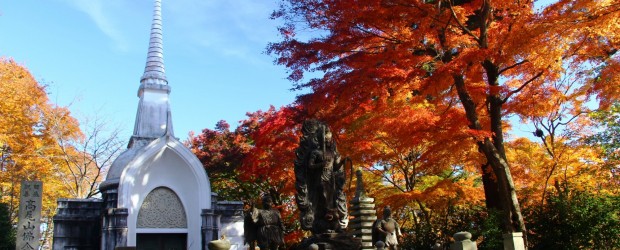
(367, 231)
(362, 200)
(367, 244)
(363, 212)
(365, 238)
(362, 225)
(363, 219)
(367, 206)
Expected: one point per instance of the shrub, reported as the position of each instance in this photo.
(483, 226)
(576, 220)
(7, 232)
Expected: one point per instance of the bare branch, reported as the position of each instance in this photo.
(85, 159)
(461, 25)
(521, 87)
(512, 66)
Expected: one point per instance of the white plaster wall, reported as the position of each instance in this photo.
(165, 162)
(234, 233)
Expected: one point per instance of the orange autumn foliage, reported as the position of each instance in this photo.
(272, 154)
(29, 127)
(468, 63)
(536, 170)
(254, 159)
(419, 93)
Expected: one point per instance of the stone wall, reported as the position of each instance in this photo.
(77, 224)
(83, 223)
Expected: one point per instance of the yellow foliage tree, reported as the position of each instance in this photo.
(29, 149)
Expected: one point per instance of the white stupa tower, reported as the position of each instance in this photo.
(156, 194)
(157, 190)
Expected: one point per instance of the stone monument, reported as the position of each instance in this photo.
(28, 233)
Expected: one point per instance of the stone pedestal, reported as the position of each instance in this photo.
(462, 241)
(514, 241)
(331, 241)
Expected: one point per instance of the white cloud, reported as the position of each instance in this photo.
(233, 28)
(95, 9)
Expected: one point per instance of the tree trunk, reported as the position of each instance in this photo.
(502, 168)
(511, 212)
(491, 190)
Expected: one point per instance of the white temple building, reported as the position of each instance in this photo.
(156, 194)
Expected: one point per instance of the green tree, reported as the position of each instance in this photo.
(573, 219)
(608, 138)
(7, 232)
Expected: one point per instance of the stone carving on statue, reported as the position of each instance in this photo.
(264, 227)
(386, 230)
(320, 180)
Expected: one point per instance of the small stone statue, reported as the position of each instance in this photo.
(267, 222)
(386, 230)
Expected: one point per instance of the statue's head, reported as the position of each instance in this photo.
(387, 212)
(311, 126)
(328, 134)
(267, 202)
(318, 129)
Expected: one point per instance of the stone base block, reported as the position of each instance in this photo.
(514, 241)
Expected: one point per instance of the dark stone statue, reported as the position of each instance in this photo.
(250, 229)
(386, 230)
(320, 180)
(265, 227)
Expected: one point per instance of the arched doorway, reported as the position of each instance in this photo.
(162, 222)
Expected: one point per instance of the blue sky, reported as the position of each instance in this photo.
(92, 53)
